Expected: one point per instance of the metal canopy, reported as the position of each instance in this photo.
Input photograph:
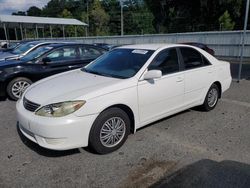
(30, 21)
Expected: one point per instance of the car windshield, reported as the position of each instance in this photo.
(119, 63)
(22, 48)
(36, 53)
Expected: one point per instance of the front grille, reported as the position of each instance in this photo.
(31, 106)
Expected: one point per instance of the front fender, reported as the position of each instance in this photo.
(127, 97)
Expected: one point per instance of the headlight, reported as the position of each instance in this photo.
(60, 109)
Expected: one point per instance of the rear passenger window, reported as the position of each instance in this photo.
(166, 61)
(192, 58)
(205, 61)
(89, 52)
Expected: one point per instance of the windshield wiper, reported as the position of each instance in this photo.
(102, 74)
(93, 72)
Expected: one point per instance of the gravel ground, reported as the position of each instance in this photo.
(150, 156)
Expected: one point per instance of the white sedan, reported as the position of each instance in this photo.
(120, 92)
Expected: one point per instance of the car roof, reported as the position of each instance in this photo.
(37, 42)
(194, 43)
(151, 46)
(55, 45)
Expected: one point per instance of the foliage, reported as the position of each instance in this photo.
(98, 19)
(19, 13)
(226, 21)
(195, 15)
(34, 11)
(144, 16)
(69, 30)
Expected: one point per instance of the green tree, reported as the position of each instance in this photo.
(69, 30)
(226, 21)
(112, 7)
(145, 16)
(19, 13)
(98, 19)
(138, 19)
(54, 8)
(34, 11)
(195, 15)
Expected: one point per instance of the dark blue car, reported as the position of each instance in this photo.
(17, 75)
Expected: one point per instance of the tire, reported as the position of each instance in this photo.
(104, 137)
(210, 103)
(17, 86)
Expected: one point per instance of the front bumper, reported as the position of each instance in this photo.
(62, 133)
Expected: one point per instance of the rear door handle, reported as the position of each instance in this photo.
(179, 79)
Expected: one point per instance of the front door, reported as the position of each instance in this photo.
(160, 97)
(60, 60)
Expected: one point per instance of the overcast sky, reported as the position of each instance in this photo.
(9, 6)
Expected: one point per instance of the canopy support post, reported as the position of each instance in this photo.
(25, 32)
(75, 31)
(21, 29)
(37, 35)
(5, 32)
(16, 34)
(63, 31)
(43, 32)
(8, 33)
(51, 32)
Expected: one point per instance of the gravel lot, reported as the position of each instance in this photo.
(154, 152)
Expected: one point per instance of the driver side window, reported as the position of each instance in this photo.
(166, 61)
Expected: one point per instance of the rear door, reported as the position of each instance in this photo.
(199, 74)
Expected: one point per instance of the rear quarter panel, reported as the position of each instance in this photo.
(224, 75)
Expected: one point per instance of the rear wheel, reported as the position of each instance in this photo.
(17, 86)
(110, 130)
(212, 98)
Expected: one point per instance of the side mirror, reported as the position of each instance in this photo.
(152, 74)
(46, 60)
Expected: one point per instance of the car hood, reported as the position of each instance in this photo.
(5, 55)
(9, 62)
(72, 85)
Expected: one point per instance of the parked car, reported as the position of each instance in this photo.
(118, 93)
(23, 49)
(12, 46)
(201, 46)
(46, 60)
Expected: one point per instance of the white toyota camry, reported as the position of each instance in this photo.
(123, 90)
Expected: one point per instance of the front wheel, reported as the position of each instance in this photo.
(17, 86)
(110, 130)
(212, 98)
